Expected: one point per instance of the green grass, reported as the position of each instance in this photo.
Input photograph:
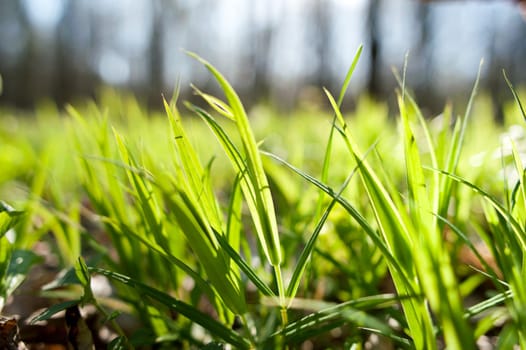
(220, 226)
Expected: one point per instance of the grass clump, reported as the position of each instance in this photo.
(311, 241)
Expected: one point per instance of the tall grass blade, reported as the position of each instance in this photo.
(263, 213)
(435, 271)
(396, 229)
(456, 148)
(195, 209)
(515, 95)
(328, 148)
(309, 247)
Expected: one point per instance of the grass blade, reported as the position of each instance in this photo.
(266, 225)
(215, 328)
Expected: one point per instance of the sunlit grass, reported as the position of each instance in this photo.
(263, 231)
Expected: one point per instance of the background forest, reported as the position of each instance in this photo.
(271, 50)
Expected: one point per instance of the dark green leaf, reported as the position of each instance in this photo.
(48, 313)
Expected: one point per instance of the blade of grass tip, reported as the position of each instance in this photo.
(218, 105)
(265, 206)
(515, 95)
(456, 148)
(419, 198)
(404, 74)
(176, 92)
(143, 192)
(328, 148)
(263, 214)
(326, 163)
(422, 120)
(237, 161)
(350, 72)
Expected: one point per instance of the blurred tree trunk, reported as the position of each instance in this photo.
(15, 60)
(373, 84)
(322, 36)
(259, 53)
(156, 54)
(74, 73)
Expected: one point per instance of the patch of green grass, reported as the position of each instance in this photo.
(260, 231)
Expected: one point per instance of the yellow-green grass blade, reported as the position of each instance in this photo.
(234, 224)
(519, 194)
(454, 153)
(218, 105)
(515, 95)
(14, 264)
(510, 258)
(511, 223)
(419, 198)
(6, 251)
(309, 246)
(487, 304)
(518, 269)
(246, 268)
(392, 222)
(198, 233)
(101, 180)
(266, 225)
(306, 253)
(434, 268)
(396, 229)
(432, 198)
(191, 175)
(142, 191)
(328, 147)
(237, 161)
(489, 270)
(9, 217)
(507, 246)
(353, 212)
